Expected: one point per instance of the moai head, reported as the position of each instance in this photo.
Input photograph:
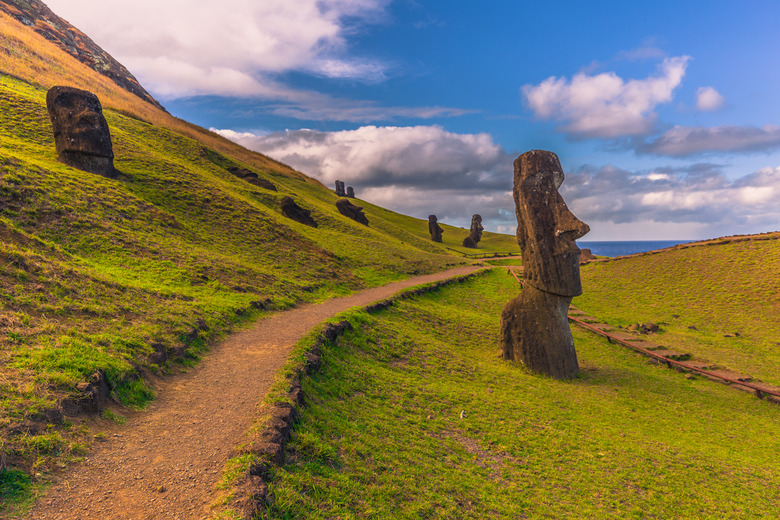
(340, 189)
(349, 210)
(350, 192)
(434, 228)
(476, 228)
(546, 229)
(81, 133)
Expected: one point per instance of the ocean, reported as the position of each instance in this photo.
(627, 247)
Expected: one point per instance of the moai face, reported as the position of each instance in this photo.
(476, 228)
(546, 230)
(78, 122)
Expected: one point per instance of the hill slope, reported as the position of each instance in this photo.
(103, 281)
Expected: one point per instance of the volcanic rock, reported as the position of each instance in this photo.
(534, 325)
(81, 133)
(475, 232)
(340, 189)
(348, 209)
(434, 228)
(293, 211)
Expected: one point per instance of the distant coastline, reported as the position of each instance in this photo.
(627, 247)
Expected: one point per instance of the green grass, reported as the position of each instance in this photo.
(719, 290)
(415, 416)
(106, 274)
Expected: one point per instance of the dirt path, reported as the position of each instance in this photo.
(163, 463)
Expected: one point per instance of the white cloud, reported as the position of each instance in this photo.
(604, 105)
(708, 99)
(682, 141)
(699, 197)
(207, 44)
(416, 170)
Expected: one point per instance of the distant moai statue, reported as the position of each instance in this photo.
(434, 228)
(340, 189)
(534, 325)
(475, 233)
(81, 134)
(350, 192)
(293, 211)
(348, 209)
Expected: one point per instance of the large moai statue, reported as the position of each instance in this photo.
(534, 326)
(434, 228)
(340, 189)
(81, 134)
(475, 233)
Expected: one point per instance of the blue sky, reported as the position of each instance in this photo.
(665, 115)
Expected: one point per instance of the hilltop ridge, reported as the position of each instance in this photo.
(38, 16)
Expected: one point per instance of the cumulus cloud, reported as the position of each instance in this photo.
(605, 105)
(416, 170)
(683, 141)
(698, 197)
(708, 99)
(231, 47)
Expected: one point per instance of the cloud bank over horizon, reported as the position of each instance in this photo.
(426, 170)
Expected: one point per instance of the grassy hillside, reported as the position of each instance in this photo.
(130, 276)
(719, 302)
(414, 415)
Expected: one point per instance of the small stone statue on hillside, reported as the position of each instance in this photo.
(534, 326)
(340, 189)
(475, 233)
(81, 133)
(434, 228)
(350, 192)
(348, 209)
(293, 211)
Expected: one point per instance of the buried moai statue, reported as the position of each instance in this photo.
(350, 192)
(81, 133)
(348, 209)
(475, 233)
(340, 189)
(434, 228)
(293, 211)
(534, 326)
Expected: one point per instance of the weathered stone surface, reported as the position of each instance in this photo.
(348, 209)
(534, 325)
(340, 189)
(81, 133)
(293, 211)
(350, 192)
(434, 228)
(251, 177)
(475, 232)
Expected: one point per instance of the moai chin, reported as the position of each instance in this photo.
(475, 232)
(434, 228)
(534, 325)
(81, 134)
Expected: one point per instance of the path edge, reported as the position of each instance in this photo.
(244, 492)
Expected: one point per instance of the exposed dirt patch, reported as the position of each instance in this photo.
(164, 462)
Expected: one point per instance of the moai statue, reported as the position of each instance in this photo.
(434, 228)
(293, 211)
(340, 189)
(348, 209)
(475, 233)
(81, 133)
(350, 192)
(534, 325)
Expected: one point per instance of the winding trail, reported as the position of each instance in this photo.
(164, 462)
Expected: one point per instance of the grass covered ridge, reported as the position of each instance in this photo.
(717, 302)
(414, 415)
